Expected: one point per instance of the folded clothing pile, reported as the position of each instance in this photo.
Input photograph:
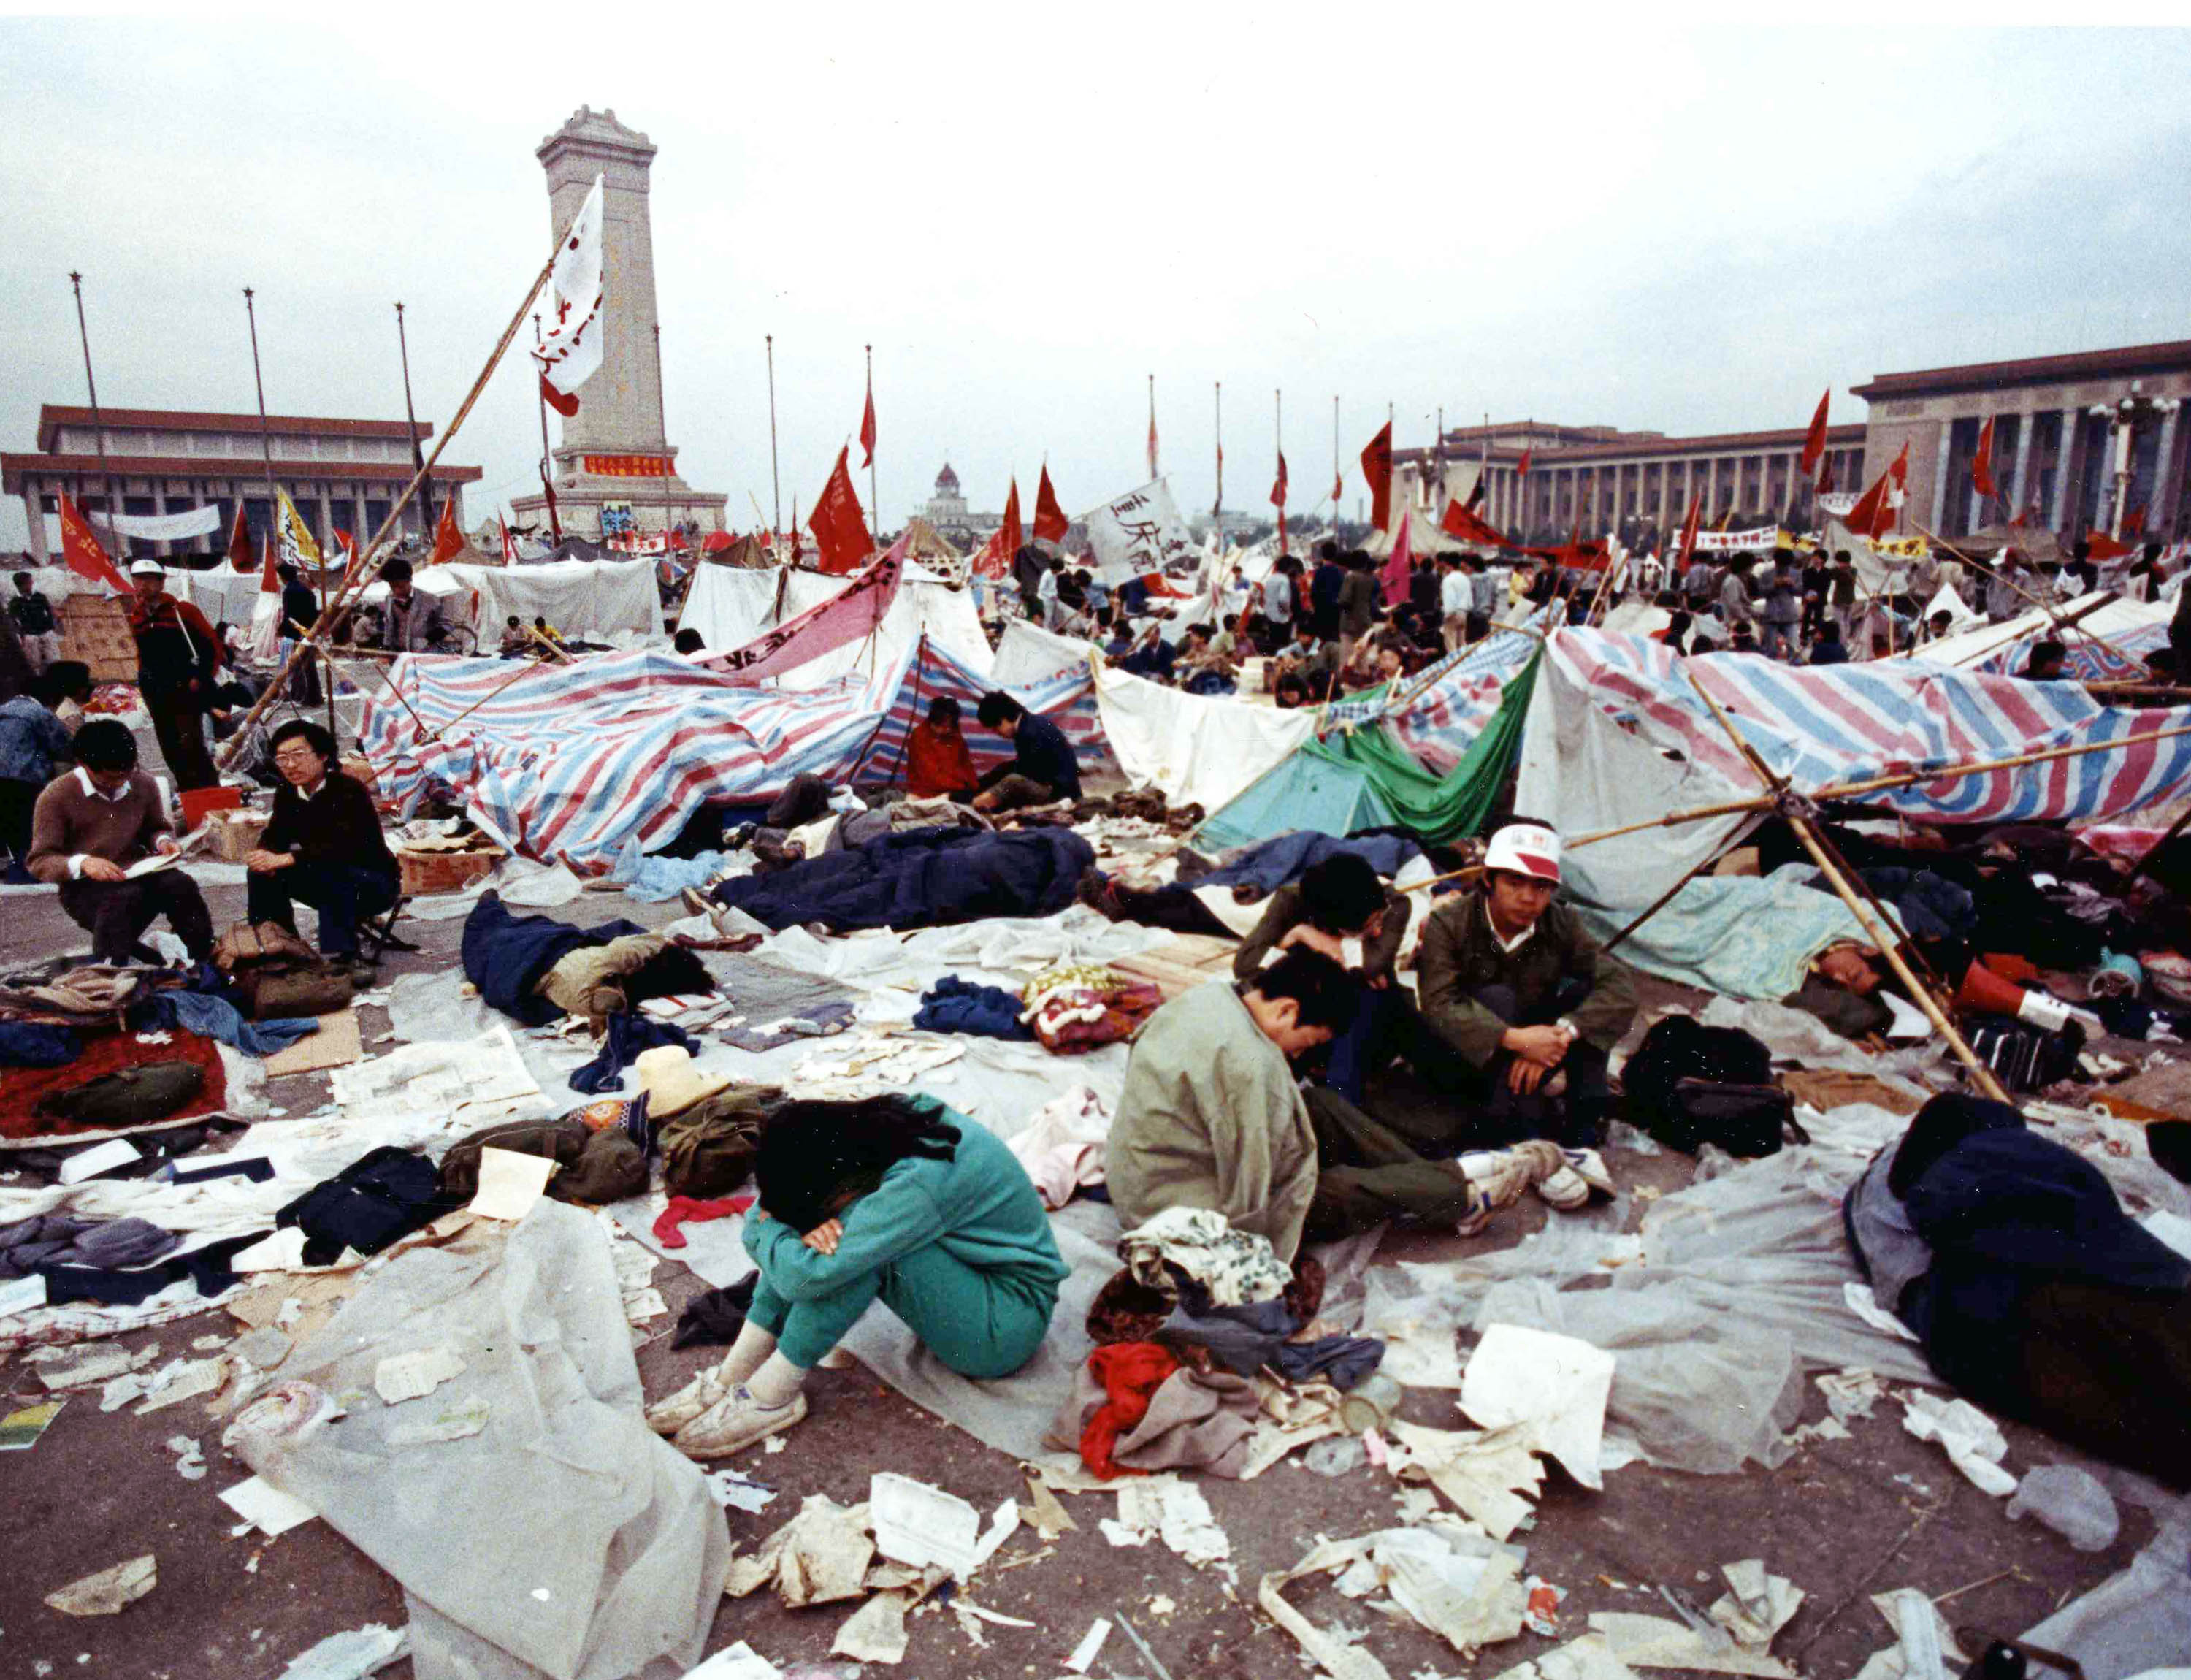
(1083, 1006)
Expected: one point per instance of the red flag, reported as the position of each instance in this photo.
(1826, 478)
(448, 541)
(1689, 536)
(1476, 491)
(565, 405)
(1278, 499)
(1377, 468)
(1874, 512)
(2103, 548)
(995, 558)
(1521, 467)
(868, 423)
(1462, 521)
(1050, 523)
(239, 543)
(509, 542)
(1982, 461)
(840, 528)
(1814, 446)
(1338, 489)
(1401, 561)
(347, 544)
(81, 554)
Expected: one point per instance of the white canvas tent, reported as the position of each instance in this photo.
(2116, 621)
(730, 606)
(605, 600)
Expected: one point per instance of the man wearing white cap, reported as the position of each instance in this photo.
(177, 655)
(1512, 983)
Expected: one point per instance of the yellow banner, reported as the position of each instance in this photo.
(291, 536)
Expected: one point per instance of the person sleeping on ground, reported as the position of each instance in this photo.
(2030, 1289)
(893, 1198)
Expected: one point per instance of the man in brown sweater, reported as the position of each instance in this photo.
(88, 829)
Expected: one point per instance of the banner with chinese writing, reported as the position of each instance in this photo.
(1137, 533)
(627, 466)
(845, 618)
(1758, 539)
(166, 528)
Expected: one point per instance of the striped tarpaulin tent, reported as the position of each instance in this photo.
(1435, 715)
(570, 761)
(928, 669)
(1844, 723)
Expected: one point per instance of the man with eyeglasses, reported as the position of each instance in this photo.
(323, 846)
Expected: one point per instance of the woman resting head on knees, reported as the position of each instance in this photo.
(894, 1199)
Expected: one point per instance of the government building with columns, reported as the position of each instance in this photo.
(342, 475)
(2092, 441)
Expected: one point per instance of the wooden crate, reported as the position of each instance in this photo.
(425, 872)
(95, 629)
(236, 834)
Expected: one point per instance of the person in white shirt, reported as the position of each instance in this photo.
(1045, 596)
(1456, 599)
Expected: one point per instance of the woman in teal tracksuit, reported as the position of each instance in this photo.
(894, 1199)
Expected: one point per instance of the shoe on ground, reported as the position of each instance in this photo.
(1480, 1209)
(1581, 1175)
(670, 1414)
(735, 1423)
(361, 973)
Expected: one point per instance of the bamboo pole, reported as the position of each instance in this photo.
(2068, 620)
(1887, 942)
(354, 584)
(2045, 607)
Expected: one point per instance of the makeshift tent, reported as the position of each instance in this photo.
(1364, 779)
(2137, 629)
(572, 760)
(1424, 537)
(577, 548)
(729, 606)
(1199, 749)
(1025, 652)
(612, 601)
(925, 543)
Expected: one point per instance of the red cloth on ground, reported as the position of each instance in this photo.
(1131, 1372)
(104, 1053)
(937, 763)
(690, 1210)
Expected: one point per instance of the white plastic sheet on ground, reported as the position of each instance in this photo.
(584, 1547)
(1199, 749)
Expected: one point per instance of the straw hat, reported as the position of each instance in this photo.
(671, 1082)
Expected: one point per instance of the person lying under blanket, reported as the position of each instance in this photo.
(894, 1199)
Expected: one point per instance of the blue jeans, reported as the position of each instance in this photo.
(342, 893)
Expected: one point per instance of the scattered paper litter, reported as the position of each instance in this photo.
(1861, 1303)
(19, 1430)
(190, 1457)
(351, 1655)
(21, 1295)
(1004, 1524)
(820, 1556)
(875, 1632)
(80, 1368)
(183, 1380)
(1655, 1642)
(1972, 1441)
(1464, 1588)
(1047, 1517)
(1852, 1392)
(736, 1662)
(1588, 1658)
(736, 1492)
(1167, 1507)
(458, 1421)
(265, 1507)
(1484, 1472)
(1556, 1386)
(106, 1593)
(1090, 1643)
(509, 1183)
(1117, 1533)
(919, 1524)
(412, 1376)
(262, 1349)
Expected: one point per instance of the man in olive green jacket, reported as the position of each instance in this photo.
(1512, 983)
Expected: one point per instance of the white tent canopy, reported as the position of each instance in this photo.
(730, 606)
(605, 600)
(2115, 618)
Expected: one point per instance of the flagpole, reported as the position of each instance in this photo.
(1437, 455)
(874, 499)
(662, 420)
(1483, 474)
(1152, 425)
(426, 491)
(274, 501)
(1278, 433)
(97, 421)
(539, 402)
(369, 566)
(775, 484)
(1217, 507)
(1337, 479)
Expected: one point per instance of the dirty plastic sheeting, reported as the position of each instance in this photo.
(586, 1546)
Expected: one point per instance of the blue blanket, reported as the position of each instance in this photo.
(1739, 935)
(926, 877)
(505, 955)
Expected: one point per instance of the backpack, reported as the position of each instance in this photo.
(1689, 1084)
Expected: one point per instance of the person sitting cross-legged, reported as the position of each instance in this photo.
(322, 847)
(1514, 984)
(1042, 768)
(86, 830)
(894, 1199)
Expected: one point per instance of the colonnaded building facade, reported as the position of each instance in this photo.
(342, 475)
(2094, 441)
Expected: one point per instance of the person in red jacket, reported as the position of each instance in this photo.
(936, 762)
(178, 657)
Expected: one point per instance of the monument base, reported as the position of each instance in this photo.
(594, 508)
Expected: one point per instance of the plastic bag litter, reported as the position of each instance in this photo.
(2072, 1503)
(585, 1546)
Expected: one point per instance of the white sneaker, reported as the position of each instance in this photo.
(1580, 1175)
(735, 1423)
(670, 1414)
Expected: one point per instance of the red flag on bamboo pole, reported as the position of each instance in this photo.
(1401, 561)
(1050, 523)
(239, 542)
(840, 528)
(994, 558)
(868, 424)
(448, 541)
(1815, 445)
(1278, 499)
(1688, 536)
(81, 554)
(1982, 461)
(1377, 468)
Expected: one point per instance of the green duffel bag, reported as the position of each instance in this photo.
(709, 1150)
(592, 1166)
(130, 1097)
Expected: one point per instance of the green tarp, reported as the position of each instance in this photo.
(1366, 780)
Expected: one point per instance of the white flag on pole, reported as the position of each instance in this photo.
(570, 342)
(1138, 533)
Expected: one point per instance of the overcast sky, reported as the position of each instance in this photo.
(1689, 230)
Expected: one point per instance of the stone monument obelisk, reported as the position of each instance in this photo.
(614, 470)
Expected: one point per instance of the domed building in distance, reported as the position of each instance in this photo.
(946, 511)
